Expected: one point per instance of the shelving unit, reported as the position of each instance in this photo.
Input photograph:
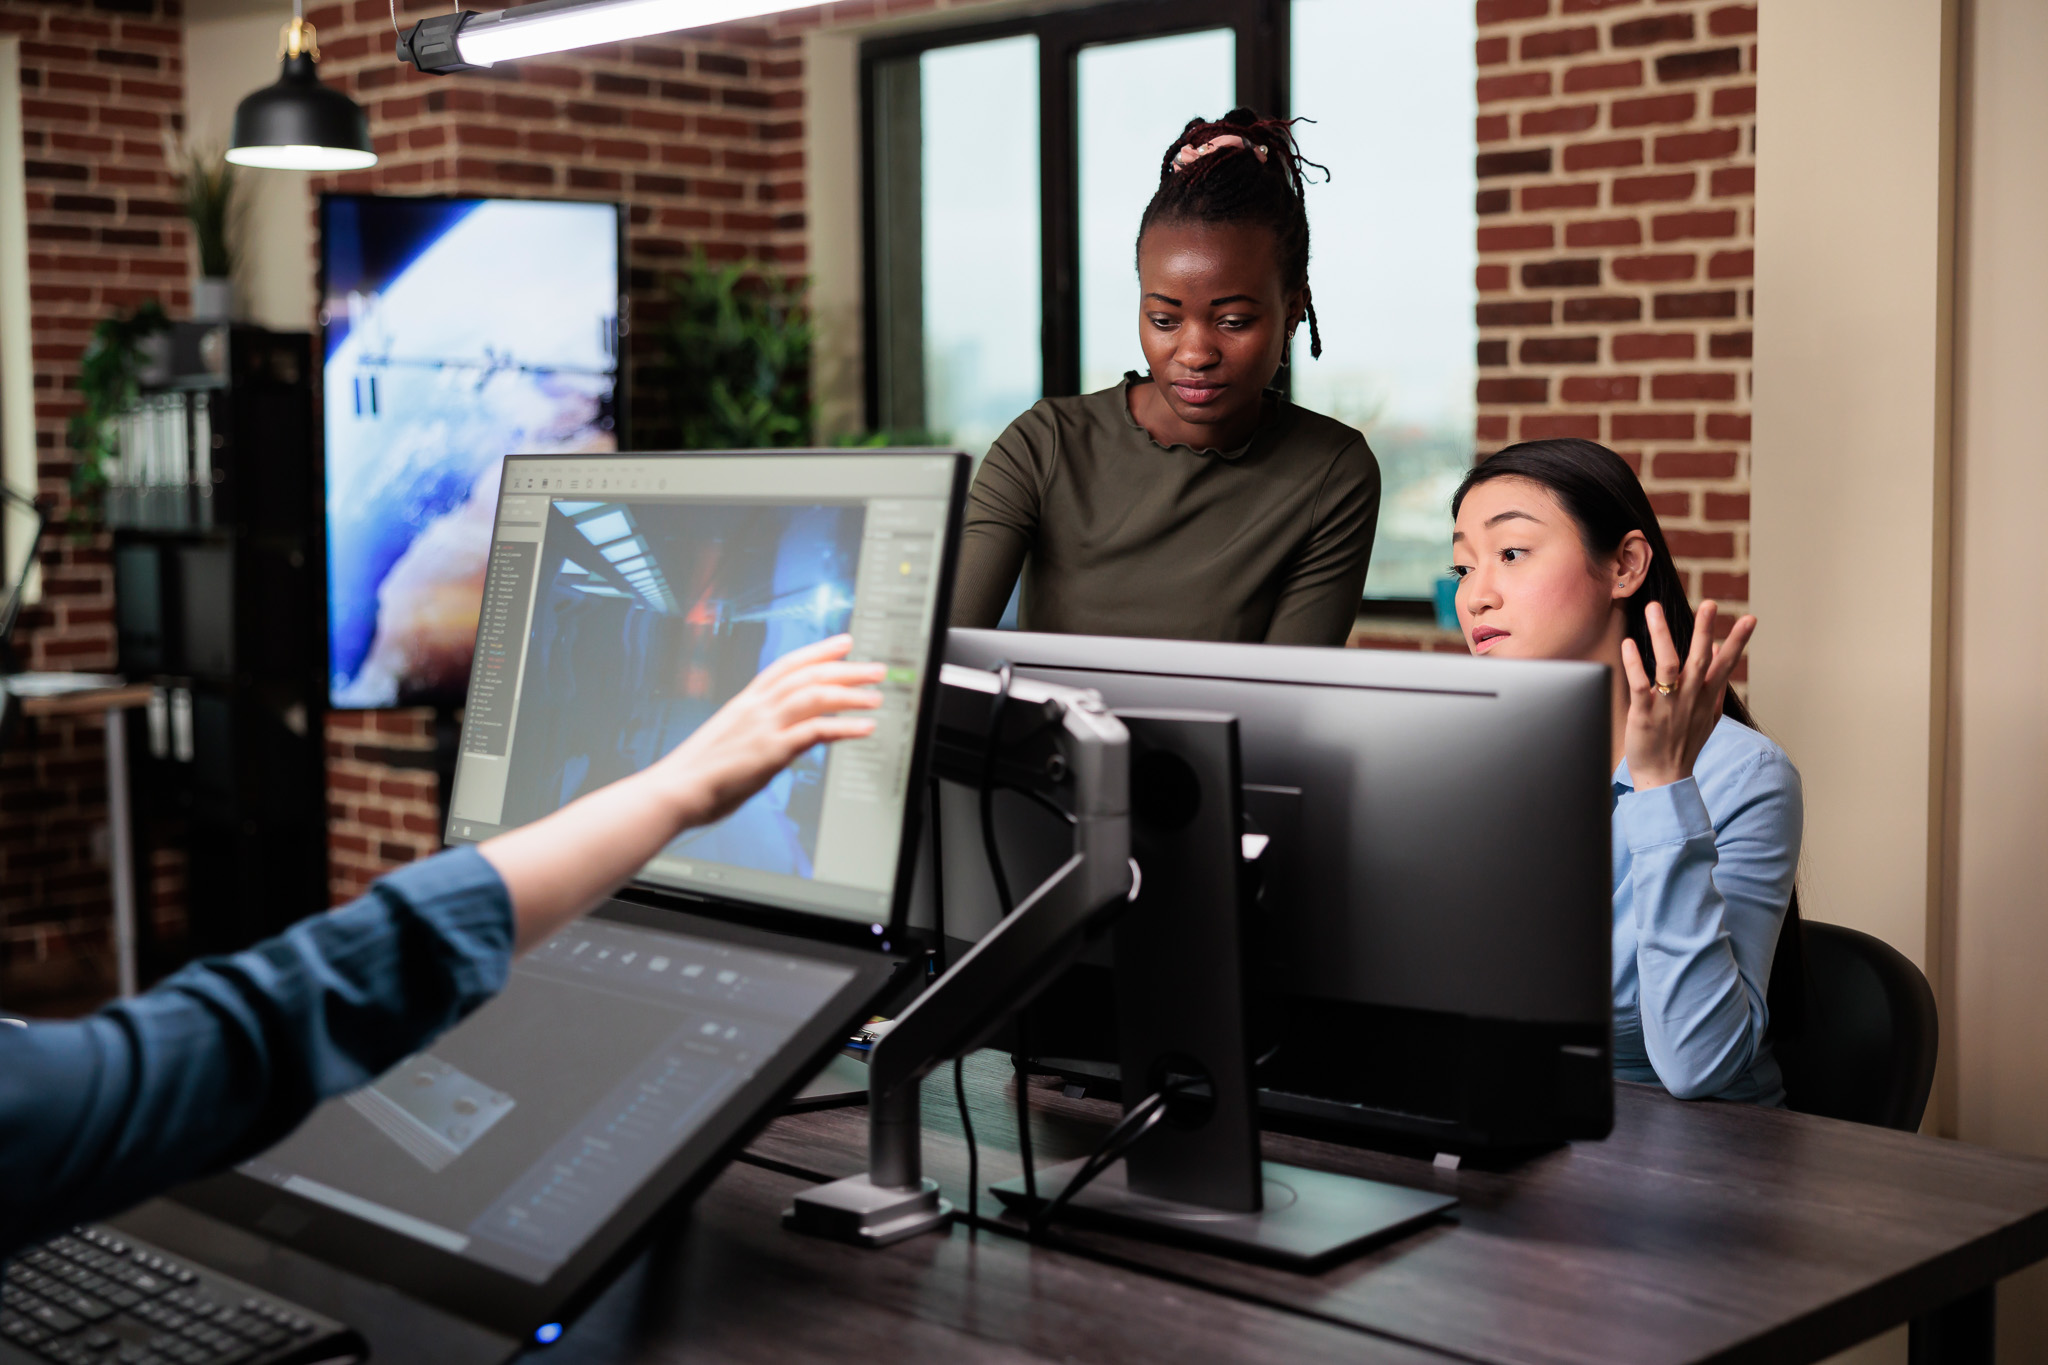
(215, 513)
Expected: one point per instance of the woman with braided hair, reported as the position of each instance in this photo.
(1193, 502)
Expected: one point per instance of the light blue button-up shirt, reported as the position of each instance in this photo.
(1703, 871)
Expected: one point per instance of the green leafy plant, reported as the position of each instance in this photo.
(739, 352)
(109, 380)
(206, 188)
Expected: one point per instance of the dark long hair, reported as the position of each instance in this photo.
(1232, 185)
(1604, 497)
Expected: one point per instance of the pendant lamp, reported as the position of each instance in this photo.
(300, 124)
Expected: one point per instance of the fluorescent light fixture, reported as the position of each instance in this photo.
(467, 40)
(529, 30)
(630, 565)
(625, 549)
(574, 509)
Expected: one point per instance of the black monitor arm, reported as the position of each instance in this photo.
(1061, 743)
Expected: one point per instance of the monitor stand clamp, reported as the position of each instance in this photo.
(1181, 1030)
(1062, 743)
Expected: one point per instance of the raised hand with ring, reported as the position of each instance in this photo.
(1671, 715)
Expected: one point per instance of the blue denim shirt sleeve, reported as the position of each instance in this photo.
(227, 1056)
(1709, 898)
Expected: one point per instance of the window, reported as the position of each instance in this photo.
(1008, 163)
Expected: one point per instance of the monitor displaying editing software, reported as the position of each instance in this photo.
(628, 597)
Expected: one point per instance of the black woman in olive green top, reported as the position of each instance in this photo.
(1194, 502)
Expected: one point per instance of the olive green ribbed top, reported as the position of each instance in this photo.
(1117, 534)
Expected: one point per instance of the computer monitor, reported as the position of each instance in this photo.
(1432, 936)
(628, 597)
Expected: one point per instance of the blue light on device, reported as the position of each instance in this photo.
(547, 1333)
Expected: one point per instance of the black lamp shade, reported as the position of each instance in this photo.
(300, 124)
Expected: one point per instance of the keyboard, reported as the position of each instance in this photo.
(97, 1297)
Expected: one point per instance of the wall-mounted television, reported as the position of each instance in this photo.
(455, 332)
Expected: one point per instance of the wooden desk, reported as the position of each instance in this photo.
(1694, 1232)
(724, 1282)
(732, 1285)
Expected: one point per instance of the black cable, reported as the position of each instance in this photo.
(1143, 1118)
(945, 961)
(1021, 1060)
(1023, 1070)
(988, 789)
(973, 1153)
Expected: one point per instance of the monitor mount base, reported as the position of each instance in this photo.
(1309, 1219)
(859, 1211)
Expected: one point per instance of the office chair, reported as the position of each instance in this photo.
(1866, 1049)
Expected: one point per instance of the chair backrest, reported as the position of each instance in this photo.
(1871, 1032)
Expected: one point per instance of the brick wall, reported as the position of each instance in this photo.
(1617, 141)
(102, 86)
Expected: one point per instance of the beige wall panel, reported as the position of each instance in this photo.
(1849, 441)
(1999, 753)
(832, 158)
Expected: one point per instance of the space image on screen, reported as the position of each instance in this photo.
(434, 371)
(651, 617)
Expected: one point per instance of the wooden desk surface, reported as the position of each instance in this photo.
(730, 1284)
(1694, 1232)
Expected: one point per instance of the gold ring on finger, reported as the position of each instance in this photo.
(1665, 689)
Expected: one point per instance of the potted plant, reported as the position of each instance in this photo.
(739, 352)
(125, 347)
(206, 185)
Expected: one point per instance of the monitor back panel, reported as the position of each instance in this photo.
(1439, 825)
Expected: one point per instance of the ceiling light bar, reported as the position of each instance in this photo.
(468, 41)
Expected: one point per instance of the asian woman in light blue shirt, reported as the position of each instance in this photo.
(1559, 555)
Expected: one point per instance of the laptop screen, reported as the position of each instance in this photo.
(628, 597)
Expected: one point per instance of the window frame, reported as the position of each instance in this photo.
(1264, 81)
(1261, 28)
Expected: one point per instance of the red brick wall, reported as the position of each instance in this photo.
(1617, 141)
(102, 86)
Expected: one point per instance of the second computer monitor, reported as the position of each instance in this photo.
(1433, 934)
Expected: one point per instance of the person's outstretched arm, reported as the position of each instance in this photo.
(228, 1055)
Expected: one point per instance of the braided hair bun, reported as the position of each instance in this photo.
(1251, 175)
